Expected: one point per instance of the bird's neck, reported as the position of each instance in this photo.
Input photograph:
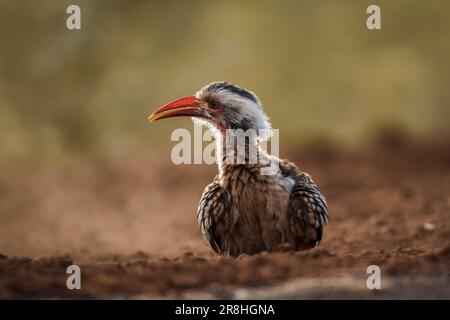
(237, 150)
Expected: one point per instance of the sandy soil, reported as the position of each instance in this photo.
(131, 227)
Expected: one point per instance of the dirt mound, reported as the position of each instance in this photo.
(131, 228)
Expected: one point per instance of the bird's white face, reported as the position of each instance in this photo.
(237, 108)
(221, 105)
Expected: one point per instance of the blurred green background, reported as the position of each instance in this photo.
(320, 73)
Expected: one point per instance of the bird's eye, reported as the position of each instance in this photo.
(215, 105)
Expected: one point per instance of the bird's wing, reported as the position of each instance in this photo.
(212, 215)
(307, 211)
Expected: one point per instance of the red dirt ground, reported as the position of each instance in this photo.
(131, 227)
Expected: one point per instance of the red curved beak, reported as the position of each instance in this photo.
(187, 106)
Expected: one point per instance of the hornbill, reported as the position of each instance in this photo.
(243, 210)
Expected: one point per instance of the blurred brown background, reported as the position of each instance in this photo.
(318, 70)
(82, 172)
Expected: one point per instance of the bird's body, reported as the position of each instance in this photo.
(244, 210)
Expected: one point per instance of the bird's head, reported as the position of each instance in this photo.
(221, 105)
